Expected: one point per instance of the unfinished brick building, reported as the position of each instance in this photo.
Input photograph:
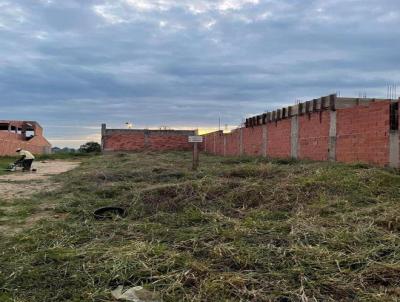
(144, 139)
(328, 128)
(27, 135)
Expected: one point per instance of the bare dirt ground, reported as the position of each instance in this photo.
(21, 184)
(16, 186)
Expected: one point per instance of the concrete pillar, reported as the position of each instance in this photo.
(241, 142)
(394, 149)
(264, 140)
(224, 145)
(394, 161)
(294, 137)
(332, 136)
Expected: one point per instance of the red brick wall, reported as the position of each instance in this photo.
(314, 136)
(363, 134)
(9, 142)
(214, 142)
(278, 139)
(232, 143)
(124, 142)
(169, 142)
(253, 141)
(208, 142)
(219, 143)
(136, 140)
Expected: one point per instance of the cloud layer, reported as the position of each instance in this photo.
(74, 64)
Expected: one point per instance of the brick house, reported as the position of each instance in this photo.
(27, 135)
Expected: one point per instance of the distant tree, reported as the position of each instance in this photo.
(90, 147)
(55, 150)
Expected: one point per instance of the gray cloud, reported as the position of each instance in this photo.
(72, 64)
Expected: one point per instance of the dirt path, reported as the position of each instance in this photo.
(16, 186)
(19, 184)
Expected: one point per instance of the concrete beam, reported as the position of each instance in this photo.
(264, 118)
(290, 111)
(268, 118)
(301, 109)
(314, 105)
(342, 103)
(332, 102)
(286, 112)
(273, 118)
(279, 114)
(309, 107)
(294, 137)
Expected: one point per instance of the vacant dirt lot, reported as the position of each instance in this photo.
(238, 229)
(15, 186)
(19, 184)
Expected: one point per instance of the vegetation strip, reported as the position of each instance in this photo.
(238, 229)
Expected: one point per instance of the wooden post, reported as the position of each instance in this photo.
(195, 140)
(195, 164)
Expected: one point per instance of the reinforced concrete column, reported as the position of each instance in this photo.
(241, 142)
(264, 140)
(394, 148)
(332, 136)
(394, 161)
(294, 137)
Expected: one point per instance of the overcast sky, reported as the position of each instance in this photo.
(74, 64)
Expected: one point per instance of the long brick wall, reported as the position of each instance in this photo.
(143, 139)
(329, 128)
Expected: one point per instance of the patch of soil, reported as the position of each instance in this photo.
(24, 184)
(17, 185)
(44, 170)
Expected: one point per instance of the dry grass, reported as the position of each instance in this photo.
(236, 230)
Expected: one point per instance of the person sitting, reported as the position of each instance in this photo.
(26, 159)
